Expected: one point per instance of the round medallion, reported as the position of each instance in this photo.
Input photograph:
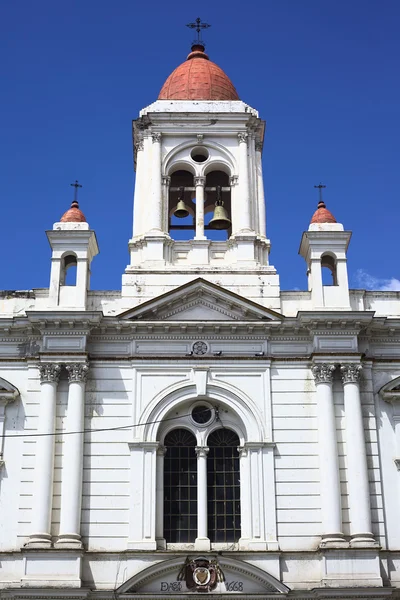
(200, 348)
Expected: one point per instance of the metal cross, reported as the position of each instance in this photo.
(320, 187)
(76, 185)
(198, 26)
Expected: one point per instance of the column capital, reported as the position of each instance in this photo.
(77, 372)
(242, 450)
(234, 180)
(166, 180)
(243, 136)
(200, 180)
(156, 137)
(161, 450)
(139, 144)
(323, 372)
(202, 451)
(49, 372)
(351, 372)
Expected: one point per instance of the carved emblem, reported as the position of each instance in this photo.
(200, 348)
(201, 574)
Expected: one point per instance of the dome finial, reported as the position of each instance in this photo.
(76, 185)
(198, 25)
(320, 187)
(322, 214)
(74, 214)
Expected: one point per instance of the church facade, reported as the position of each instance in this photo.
(199, 431)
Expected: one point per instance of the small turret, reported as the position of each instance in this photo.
(324, 247)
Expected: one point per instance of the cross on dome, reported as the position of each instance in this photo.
(198, 25)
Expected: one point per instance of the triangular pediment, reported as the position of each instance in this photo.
(8, 392)
(200, 300)
(391, 391)
(173, 577)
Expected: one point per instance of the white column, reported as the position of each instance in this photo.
(161, 452)
(242, 205)
(71, 487)
(358, 483)
(245, 504)
(154, 213)
(200, 182)
(202, 541)
(233, 182)
(44, 463)
(166, 182)
(260, 191)
(138, 199)
(329, 462)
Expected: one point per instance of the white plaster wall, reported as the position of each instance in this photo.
(297, 465)
(117, 394)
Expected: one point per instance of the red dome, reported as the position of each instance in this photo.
(323, 215)
(73, 214)
(198, 79)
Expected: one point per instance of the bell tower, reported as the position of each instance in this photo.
(199, 206)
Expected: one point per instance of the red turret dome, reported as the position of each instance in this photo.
(73, 214)
(322, 214)
(198, 79)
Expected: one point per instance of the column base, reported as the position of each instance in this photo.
(161, 544)
(333, 540)
(39, 540)
(202, 544)
(363, 540)
(69, 540)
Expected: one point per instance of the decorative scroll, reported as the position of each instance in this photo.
(243, 137)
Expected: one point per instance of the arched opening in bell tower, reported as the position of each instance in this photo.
(217, 206)
(181, 206)
(69, 265)
(329, 270)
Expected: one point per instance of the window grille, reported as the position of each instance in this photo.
(223, 486)
(180, 487)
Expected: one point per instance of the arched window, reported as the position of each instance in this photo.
(200, 467)
(180, 487)
(223, 486)
(328, 268)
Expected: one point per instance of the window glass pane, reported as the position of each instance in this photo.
(180, 485)
(223, 486)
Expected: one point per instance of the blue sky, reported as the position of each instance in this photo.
(324, 74)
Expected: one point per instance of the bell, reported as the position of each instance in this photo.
(220, 218)
(180, 210)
